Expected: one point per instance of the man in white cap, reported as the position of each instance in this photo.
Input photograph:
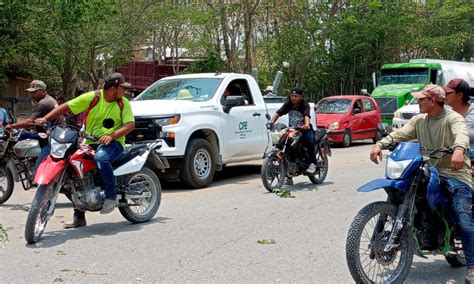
(437, 127)
(45, 104)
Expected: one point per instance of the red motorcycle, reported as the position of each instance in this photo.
(70, 169)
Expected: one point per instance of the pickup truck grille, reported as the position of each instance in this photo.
(144, 130)
(387, 105)
(408, 115)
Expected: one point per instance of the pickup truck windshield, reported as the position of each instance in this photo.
(199, 89)
(334, 106)
(404, 76)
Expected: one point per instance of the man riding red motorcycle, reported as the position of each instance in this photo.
(100, 105)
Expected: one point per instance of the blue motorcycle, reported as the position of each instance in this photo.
(415, 219)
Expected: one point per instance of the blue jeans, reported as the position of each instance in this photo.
(104, 156)
(461, 205)
(43, 154)
(309, 140)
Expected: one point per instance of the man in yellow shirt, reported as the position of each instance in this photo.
(108, 103)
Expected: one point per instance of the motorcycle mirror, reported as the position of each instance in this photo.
(268, 116)
(108, 123)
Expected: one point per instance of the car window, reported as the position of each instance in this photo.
(199, 89)
(368, 106)
(358, 105)
(334, 106)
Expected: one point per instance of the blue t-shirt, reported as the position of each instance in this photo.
(4, 120)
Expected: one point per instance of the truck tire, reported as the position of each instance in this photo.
(198, 164)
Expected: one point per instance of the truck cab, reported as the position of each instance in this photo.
(205, 121)
(398, 81)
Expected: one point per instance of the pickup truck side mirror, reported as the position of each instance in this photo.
(232, 101)
(356, 111)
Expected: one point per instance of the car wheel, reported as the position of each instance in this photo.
(346, 139)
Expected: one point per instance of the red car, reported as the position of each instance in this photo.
(349, 118)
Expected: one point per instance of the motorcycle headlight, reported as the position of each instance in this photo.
(167, 120)
(394, 169)
(333, 126)
(58, 150)
(397, 114)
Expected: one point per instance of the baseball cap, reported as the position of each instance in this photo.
(297, 90)
(36, 85)
(269, 89)
(116, 79)
(457, 85)
(431, 91)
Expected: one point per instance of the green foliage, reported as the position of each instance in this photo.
(283, 193)
(332, 47)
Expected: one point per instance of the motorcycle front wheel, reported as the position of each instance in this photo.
(6, 184)
(38, 214)
(142, 209)
(322, 167)
(273, 172)
(366, 239)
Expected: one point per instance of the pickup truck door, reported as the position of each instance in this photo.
(245, 132)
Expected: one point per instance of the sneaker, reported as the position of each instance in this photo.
(469, 276)
(289, 181)
(311, 169)
(109, 206)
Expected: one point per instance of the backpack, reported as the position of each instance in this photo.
(95, 101)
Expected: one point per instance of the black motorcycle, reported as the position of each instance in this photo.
(17, 162)
(290, 156)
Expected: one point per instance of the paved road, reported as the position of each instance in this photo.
(210, 235)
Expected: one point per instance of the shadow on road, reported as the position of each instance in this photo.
(230, 174)
(55, 238)
(420, 271)
(354, 144)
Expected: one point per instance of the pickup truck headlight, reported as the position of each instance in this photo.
(333, 126)
(167, 120)
(397, 114)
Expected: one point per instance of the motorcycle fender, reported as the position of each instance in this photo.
(327, 148)
(401, 185)
(48, 170)
(132, 166)
(13, 170)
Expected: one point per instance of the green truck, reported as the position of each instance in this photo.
(398, 81)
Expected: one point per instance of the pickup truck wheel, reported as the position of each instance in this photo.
(347, 139)
(198, 167)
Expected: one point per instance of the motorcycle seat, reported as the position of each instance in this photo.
(129, 153)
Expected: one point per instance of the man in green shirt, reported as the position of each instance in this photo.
(437, 127)
(108, 103)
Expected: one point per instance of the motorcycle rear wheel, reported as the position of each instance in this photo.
(38, 213)
(321, 167)
(140, 210)
(273, 172)
(6, 184)
(367, 261)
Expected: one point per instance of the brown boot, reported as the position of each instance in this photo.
(76, 222)
(469, 276)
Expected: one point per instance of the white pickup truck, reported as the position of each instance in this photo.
(200, 129)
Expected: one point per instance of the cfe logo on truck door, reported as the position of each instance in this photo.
(243, 129)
